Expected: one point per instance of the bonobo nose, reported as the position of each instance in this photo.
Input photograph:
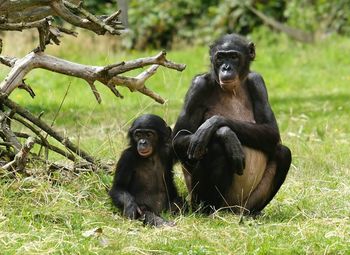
(226, 67)
(142, 141)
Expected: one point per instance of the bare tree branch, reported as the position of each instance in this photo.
(19, 162)
(49, 146)
(106, 75)
(7, 132)
(22, 25)
(95, 91)
(20, 5)
(17, 12)
(91, 22)
(35, 131)
(159, 59)
(138, 83)
(42, 125)
(8, 61)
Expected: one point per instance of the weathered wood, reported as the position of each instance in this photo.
(49, 146)
(19, 162)
(18, 12)
(107, 76)
(7, 132)
(8, 6)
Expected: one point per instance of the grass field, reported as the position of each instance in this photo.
(309, 93)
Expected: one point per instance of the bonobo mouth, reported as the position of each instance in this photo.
(144, 152)
(227, 82)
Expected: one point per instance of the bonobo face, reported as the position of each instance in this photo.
(230, 57)
(146, 141)
(226, 64)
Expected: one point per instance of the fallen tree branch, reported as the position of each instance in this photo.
(108, 75)
(19, 162)
(49, 146)
(34, 130)
(42, 125)
(7, 133)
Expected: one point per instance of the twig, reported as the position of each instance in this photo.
(22, 25)
(159, 59)
(138, 83)
(56, 114)
(20, 160)
(34, 130)
(51, 147)
(91, 17)
(8, 61)
(112, 17)
(27, 88)
(91, 22)
(7, 132)
(95, 92)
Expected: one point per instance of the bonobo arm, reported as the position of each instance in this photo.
(263, 113)
(262, 135)
(191, 116)
(233, 148)
(119, 191)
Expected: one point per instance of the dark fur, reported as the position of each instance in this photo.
(143, 186)
(209, 144)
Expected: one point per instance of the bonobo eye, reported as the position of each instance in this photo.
(219, 62)
(219, 56)
(149, 134)
(137, 134)
(234, 54)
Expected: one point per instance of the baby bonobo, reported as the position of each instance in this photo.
(143, 184)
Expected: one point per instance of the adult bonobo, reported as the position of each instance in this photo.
(143, 184)
(227, 137)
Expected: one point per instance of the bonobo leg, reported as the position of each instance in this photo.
(233, 149)
(273, 178)
(211, 178)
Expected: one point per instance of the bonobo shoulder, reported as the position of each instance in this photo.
(255, 78)
(128, 155)
(201, 81)
(256, 84)
(198, 89)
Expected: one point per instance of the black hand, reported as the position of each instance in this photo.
(132, 211)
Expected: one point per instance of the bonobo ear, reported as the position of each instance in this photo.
(251, 49)
(131, 136)
(169, 132)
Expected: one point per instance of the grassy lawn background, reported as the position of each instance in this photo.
(309, 92)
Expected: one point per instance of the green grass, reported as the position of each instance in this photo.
(309, 92)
